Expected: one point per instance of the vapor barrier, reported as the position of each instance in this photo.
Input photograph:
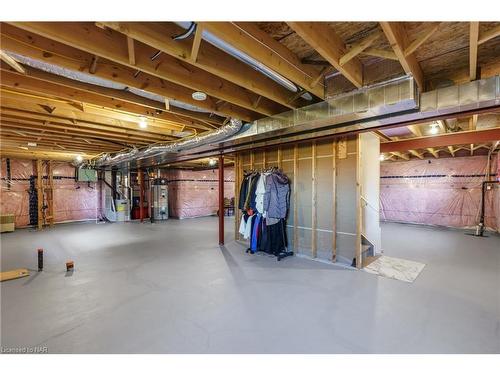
(196, 193)
(444, 192)
(72, 200)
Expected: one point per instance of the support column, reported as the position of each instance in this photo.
(141, 194)
(221, 200)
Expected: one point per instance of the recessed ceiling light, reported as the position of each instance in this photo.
(199, 95)
(382, 157)
(79, 158)
(212, 162)
(434, 128)
(32, 144)
(143, 123)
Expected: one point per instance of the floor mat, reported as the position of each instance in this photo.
(395, 268)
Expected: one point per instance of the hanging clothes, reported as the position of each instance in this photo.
(265, 201)
(277, 196)
(260, 192)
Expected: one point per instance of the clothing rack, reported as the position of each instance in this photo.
(264, 202)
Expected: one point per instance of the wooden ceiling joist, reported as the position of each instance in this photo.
(11, 62)
(473, 44)
(442, 140)
(44, 84)
(431, 29)
(488, 35)
(328, 44)
(112, 46)
(64, 111)
(389, 55)
(248, 38)
(45, 50)
(210, 59)
(358, 48)
(81, 129)
(396, 35)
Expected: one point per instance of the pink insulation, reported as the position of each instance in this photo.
(444, 192)
(14, 196)
(72, 200)
(195, 193)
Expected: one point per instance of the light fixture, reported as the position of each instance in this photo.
(32, 144)
(79, 158)
(143, 123)
(382, 157)
(434, 128)
(212, 162)
(23, 147)
(199, 95)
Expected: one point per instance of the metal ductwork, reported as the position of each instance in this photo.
(217, 135)
(393, 103)
(390, 103)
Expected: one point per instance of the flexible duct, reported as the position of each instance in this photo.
(217, 135)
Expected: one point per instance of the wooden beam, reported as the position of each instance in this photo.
(490, 34)
(46, 84)
(400, 155)
(415, 129)
(324, 71)
(473, 43)
(110, 45)
(396, 35)
(433, 152)
(314, 202)
(382, 136)
(208, 57)
(328, 44)
(53, 52)
(421, 40)
(473, 122)
(250, 39)
(196, 43)
(131, 50)
(416, 153)
(389, 55)
(442, 140)
(11, 62)
(13, 102)
(359, 47)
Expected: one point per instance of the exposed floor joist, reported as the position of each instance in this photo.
(328, 44)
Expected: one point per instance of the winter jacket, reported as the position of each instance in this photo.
(260, 191)
(277, 197)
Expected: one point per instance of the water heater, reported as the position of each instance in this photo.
(159, 191)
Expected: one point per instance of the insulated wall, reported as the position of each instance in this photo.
(323, 216)
(72, 200)
(195, 193)
(444, 191)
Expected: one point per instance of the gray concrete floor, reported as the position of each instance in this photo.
(167, 288)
